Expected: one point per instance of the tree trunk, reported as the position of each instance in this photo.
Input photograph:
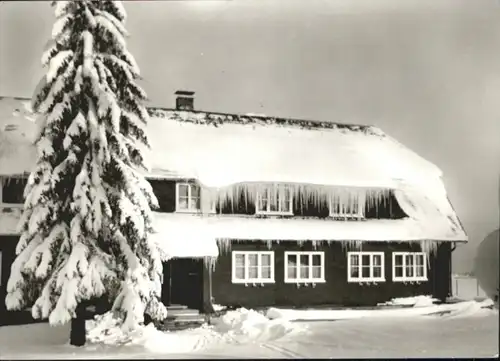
(78, 331)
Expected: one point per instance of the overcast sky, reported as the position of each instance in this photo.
(426, 71)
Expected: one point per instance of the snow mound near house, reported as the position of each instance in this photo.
(240, 326)
(243, 326)
(460, 309)
(417, 301)
(473, 309)
(106, 330)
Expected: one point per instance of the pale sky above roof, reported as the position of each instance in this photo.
(425, 71)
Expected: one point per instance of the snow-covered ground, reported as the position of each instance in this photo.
(466, 330)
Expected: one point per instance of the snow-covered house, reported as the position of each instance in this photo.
(258, 211)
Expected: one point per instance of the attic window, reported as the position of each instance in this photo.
(12, 190)
(188, 197)
(346, 205)
(275, 200)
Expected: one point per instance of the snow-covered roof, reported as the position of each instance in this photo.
(173, 235)
(201, 228)
(221, 150)
(224, 149)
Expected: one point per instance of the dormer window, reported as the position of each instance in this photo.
(346, 205)
(275, 200)
(188, 197)
(12, 190)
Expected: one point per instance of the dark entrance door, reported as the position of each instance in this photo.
(184, 282)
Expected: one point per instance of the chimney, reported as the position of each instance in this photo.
(184, 100)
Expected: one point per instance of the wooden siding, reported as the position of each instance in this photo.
(336, 290)
(387, 208)
(165, 193)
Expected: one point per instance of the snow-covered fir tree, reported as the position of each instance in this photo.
(87, 212)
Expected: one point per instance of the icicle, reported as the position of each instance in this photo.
(269, 244)
(429, 248)
(224, 244)
(315, 244)
(210, 263)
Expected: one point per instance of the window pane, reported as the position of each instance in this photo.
(419, 259)
(263, 200)
(355, 272)
(262, 204)
(266, 272)
(253, 272)
(183, 190)
(316, 260)
(240, 273)
(195, 191)
(304, 259)
(355, 205)
(398, 271)
(348, 209)
(284, 200)
(377, 271)
(377, 260)
(239, 260)
(183, 203)
(365, 271)
(285, 205)
(252, 259)
(409, 259)
(420, 271)
(398, 260)
(335, 204)
(195, 203)
(365, 259)
(316, 272)
(354, 260)
(292, 266)
(409, 271)
(304, 271)
(265, 260)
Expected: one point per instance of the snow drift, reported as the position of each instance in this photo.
(425, 308)
(235, 327)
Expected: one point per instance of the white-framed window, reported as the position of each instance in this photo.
(12, 191)
(275, 200)
(409, 266)
(252, 267)
(189, 198)
(348, 205)
(365, 267)
(304, 267)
